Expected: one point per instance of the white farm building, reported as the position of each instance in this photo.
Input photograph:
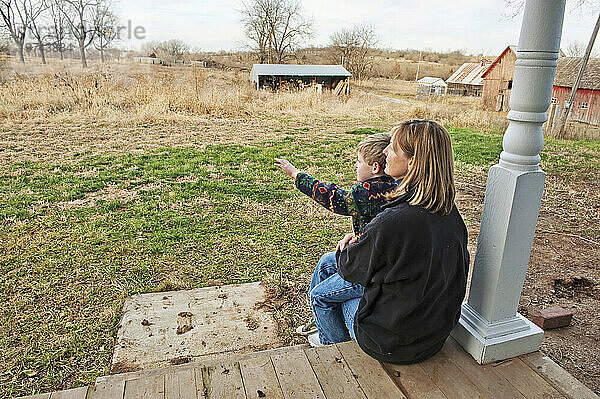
(429, 86)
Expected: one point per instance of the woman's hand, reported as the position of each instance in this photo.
(287, 167)
(348, 239)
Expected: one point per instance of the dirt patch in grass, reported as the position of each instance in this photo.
(563, 268)
(110, 193)
(564, 272)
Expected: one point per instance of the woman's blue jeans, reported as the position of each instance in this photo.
(334, 301)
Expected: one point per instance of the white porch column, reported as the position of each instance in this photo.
(490, 327)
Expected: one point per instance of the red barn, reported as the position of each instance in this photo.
(586, 105)
(497, 80)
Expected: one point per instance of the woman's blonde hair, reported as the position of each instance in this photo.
(430, 179)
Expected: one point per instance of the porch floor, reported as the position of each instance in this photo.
(340, 371)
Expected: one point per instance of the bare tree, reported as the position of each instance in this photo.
(352, 48)
(16, 20)
(255, 27)
(80, 16)
(19, 16)
(275, 27)
(58, 29)
(107, 27)
(151, 49)
(4, 42)
(35, 9)
(577, 49)
(174, 49)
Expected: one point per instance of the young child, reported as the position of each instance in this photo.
(362, 202)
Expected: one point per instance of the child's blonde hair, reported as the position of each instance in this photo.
(372, 148)
(430, 179)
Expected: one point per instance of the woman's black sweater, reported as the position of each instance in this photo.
(413, 265)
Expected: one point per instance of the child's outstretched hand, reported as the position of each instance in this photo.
(287, 167)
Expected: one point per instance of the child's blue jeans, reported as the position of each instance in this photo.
(334, 301)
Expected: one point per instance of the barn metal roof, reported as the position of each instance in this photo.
(567, 70)
(428, 80)
(469, 73)
(298, 70)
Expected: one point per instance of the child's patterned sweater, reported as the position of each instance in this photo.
(362, 202)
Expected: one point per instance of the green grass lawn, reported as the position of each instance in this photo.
(78, 238)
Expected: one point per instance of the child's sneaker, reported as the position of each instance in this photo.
(307, 329)
(314, 340)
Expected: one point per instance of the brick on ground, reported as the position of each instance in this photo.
(554, 317)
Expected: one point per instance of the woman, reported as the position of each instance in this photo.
(412, 259)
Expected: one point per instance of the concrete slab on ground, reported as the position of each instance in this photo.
(169, 328)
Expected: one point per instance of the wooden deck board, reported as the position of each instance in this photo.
(340, 371)
(449, 378)
(333, 373)
(296, 376)
(224, 381)
(564, 382)
(224, 358)
(180, 384)
(107, 390)
(39, 396)
(414, 382)
(145, 388)
(527, 381)
(77, 393)
(260, 380)
(489, 383)
(370, 374)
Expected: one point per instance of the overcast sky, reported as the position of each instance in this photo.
(476, 26)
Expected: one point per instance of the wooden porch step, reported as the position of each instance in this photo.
(340, 371)
(77, 393)
(227, 358)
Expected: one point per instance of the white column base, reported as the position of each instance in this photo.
(490, 342)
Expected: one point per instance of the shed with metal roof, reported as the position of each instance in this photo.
(285, 76)
(467, 80)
